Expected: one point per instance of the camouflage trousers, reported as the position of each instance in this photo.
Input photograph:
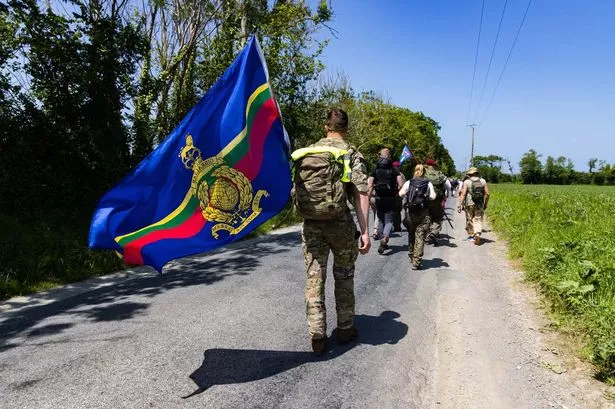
(417, 225)
(474, 219)
(436, 215)
(320, 237)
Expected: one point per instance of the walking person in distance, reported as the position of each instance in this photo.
(419, 192)
(386, 182)
(473, 198)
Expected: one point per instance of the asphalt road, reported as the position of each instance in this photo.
(228, 330)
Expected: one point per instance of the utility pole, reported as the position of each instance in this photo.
(472, 151)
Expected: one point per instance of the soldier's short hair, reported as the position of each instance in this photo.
(337, 120)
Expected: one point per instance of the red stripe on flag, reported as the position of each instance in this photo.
(250, 164)
(191, 227)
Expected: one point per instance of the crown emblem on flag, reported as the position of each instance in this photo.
(225, 194)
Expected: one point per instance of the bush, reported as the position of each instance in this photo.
(599, 179)
(36, 254)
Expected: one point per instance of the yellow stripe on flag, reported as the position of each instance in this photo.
(229, 147)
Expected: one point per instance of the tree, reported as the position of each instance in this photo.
(609, 171)
(558, 171)
(191, 43)
(592, 164)
(531, 167)
(490, 167)
(75, 72)
(376, 124)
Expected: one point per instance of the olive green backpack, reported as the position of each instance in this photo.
(320, 177)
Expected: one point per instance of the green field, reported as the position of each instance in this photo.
(565, 238)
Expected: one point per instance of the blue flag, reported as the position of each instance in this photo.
(405, 154)
(222, 172)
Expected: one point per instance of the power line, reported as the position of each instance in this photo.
(480, 27)
(495, 43)
(506, 63)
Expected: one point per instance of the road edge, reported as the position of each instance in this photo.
(19, 304)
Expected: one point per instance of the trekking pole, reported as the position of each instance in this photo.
(448, 220)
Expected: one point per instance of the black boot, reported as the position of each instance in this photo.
(347, 335)
(319, 346)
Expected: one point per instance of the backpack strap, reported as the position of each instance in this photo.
(341, 155)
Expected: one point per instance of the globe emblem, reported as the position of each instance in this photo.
(223, 195)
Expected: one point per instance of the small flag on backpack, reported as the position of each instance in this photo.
(405, 154)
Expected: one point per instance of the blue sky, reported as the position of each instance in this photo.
(557, 94)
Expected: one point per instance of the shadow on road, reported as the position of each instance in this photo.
(392, 249)
(49, 329)
(444, 240)
(230, 366)
(112, 303)
(484, 240)
(434, 263)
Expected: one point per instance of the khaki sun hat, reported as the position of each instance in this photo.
(472, 171)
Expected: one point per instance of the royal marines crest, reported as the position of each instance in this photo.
(225, 194)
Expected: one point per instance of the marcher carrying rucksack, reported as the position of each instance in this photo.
(385, 180)
(416, 197)
(438, 180)
(320, 176)
(477, 192)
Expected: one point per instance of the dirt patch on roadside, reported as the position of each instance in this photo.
(560, 349)
(496, 347)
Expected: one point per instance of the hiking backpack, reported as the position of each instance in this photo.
(438, 180)
(320, 174)
(417, 195)
(477, 192)
(385, 180)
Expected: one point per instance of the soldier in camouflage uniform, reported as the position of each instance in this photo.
(436, 207)
(339, 236)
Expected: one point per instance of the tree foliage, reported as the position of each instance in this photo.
(490, 168)
(375, 124)
(531, 167)
(560, 171)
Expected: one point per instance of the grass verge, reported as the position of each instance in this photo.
(36, 255)
(565, 239)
